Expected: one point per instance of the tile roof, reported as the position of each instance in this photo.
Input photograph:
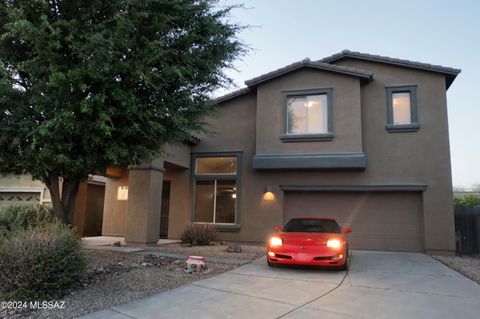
(231, 95)
(450, 73)
(326, 64)
(366, 75)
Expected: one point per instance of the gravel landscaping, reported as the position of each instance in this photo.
(216, 249)
(116, 278)
(468, 266)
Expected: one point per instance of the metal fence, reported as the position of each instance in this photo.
(467, 229)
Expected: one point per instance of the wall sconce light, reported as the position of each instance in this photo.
(122, 193)
(269, 195)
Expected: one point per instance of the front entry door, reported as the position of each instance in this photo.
(165, 209)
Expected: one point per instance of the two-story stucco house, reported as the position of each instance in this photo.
(360, 137)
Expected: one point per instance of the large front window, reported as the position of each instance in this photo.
(215, 182)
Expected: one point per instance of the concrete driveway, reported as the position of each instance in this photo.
(378, 285)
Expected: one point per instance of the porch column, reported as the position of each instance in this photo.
(144, 202)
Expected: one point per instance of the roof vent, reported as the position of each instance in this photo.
(346, 51)
(306, 60)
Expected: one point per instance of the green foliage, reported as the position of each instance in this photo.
(20, 217)
(40, 263)
(467, 200)
(89, 84)
(198, 235)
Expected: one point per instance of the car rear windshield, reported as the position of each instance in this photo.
(312, 225)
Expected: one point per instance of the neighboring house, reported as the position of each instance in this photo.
(463, 193)
(22, 190)
(89, 204)
(359, 137)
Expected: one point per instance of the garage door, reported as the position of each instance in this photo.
(380, 220)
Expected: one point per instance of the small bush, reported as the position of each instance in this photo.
(40, 263)
(20, 217)
(467, 200)
(198, 235)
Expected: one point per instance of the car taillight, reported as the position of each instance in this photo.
(334, 243)
(276, 241)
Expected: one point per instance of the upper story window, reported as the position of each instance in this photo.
(215, 182)
(308, 115)
(402, 109)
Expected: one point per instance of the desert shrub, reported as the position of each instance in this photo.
(467, 200)
(19, 217)
(40, 262)
(198, 234)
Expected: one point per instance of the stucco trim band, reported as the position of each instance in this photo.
(325, 161)
(146, 168)
(356, 188)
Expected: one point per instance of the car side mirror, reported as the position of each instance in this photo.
(346, 230)
(277, 228)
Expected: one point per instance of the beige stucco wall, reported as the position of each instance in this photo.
(177, 154)
(423, 156)
(23, 182)
(114, 210)
(19, 181)
(234, 130)
(392, 158)
(180, 187)
(347, 125)
(142, 223)
(180, 210)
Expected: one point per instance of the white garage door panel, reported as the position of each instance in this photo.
(380, 220)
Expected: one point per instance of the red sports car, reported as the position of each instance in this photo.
(310, 241)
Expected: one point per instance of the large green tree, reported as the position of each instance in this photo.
(88, 84)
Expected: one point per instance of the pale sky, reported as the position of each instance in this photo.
(437, 32)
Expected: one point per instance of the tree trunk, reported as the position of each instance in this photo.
(63, 202)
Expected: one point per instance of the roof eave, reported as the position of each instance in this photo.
(363, 75)
(231, 95)
(450, 73)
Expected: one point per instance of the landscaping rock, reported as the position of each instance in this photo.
(234, 249)
(157, 261)
(469, 266)
(122, 283)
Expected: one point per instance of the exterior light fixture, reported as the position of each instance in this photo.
(269, 195)
(122, 193)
